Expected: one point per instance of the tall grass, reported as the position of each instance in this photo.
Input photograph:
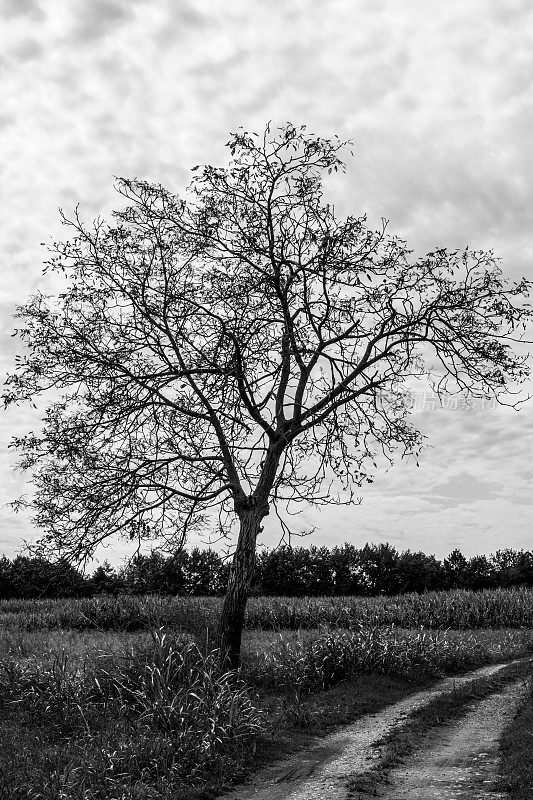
(317, 661)
(105, 613)
(162, 716)
(516, 751)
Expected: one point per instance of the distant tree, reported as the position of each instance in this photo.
(321, 580)
(301, 566)
(38, 577)
(378, 568)
(174, 571)
(136, 575)
(513, 567)
(105, 580)
(478, 573)
(345, 568)
(242, 349)
(525, 568)
(455, 566)
(7, 586)
(205, 573)
(417, 572)
(298, 571)
(143, 573)
(278, 570)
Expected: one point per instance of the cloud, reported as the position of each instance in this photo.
(29, 9)
(461, 488)
(6, 120)
(436, 98)
(181, 20)
(99, 19)
(27, 50)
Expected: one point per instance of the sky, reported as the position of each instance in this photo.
(438, 99)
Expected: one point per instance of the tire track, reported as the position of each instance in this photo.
(323, 771)
(461, 761)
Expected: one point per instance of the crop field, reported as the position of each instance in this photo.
(460, 609)
(125, 698)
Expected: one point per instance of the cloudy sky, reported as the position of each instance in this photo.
(438, 98)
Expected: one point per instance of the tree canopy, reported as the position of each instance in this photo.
(242, 348)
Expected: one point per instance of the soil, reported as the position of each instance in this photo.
(323, 771)
(461, 761)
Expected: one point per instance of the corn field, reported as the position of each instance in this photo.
(458, 609)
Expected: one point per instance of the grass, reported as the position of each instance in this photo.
(459, 609)
(516, 752)
(313, 662)
(160, 717)
(153, 716)
(97, 701)
(105, 613)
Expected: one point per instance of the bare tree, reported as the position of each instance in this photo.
(242, 350)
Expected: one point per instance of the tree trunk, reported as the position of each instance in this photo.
(240, 578)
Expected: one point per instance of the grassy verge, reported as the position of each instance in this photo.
(158, 719)
(107, 709)
(136, 716)
(516, 752)
(62, 748)
(400, 743)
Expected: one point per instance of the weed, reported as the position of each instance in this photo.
(157, 716)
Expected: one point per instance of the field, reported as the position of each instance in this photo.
(459, 609)
(124, 697)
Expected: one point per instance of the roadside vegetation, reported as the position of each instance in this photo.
(124, 697)
(517, 752)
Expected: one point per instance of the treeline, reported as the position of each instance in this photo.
(287, 571)
(197, 572)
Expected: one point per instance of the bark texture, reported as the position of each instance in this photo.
(240, 578)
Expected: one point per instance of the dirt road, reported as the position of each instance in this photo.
(461, 761)
(323, 771)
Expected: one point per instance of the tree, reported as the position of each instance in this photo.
(37, 577)
(286, 571)
(378, 568)
(418, 572)
(513, 567)
(173, 579)
(7, 585)
(455, 567)
(345, 567)
(145, 574)
(240, 350)
(105, 580)
(321, 574)
(479, 573)
(205, 572)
